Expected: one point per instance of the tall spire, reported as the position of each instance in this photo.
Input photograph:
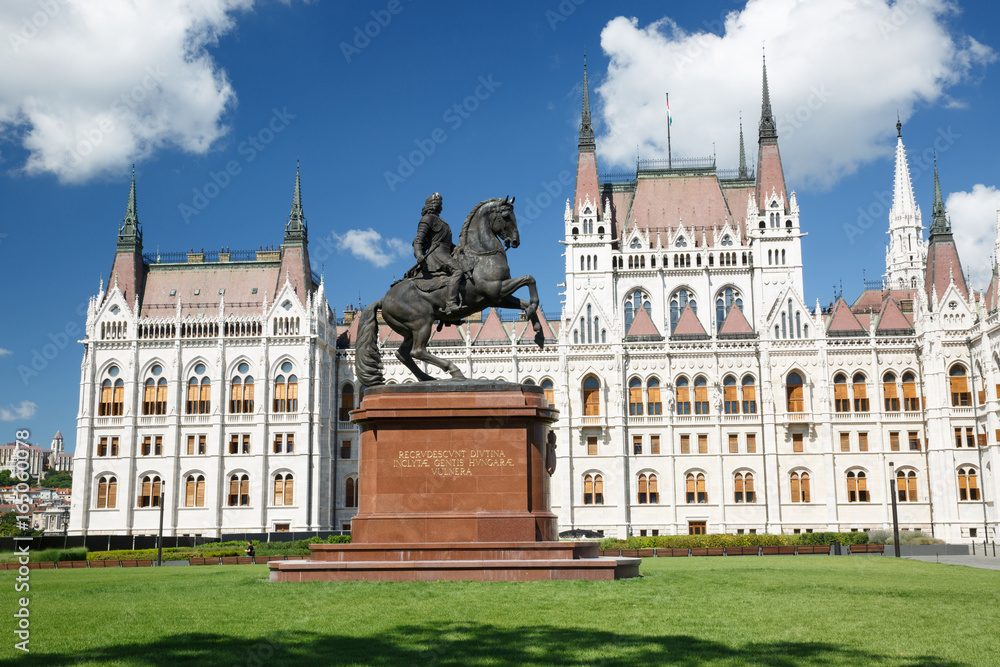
(586, 129)
(295, 228)
(767, 129)
(743, 153)
(939, 219)
(129, 232)
(906, 256)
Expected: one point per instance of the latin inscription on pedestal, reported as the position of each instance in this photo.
(453, 462)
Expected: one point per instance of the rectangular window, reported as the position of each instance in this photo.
(201, 444)
(958, 437)
(981, 437)
(234, 444)
(894, 441)
(637, 444)
(591, 401)
(281, 527)
(860, 397)
(798, 442)
(289, 443)
(158, 445)
(959, 391)
(703, 444)
(114, 446)
(147, 445)
(102, 447)
(190, 447)
(796, 398)
(592, 445)
(345, 449)
(731, 401)
(969, 439)
(278, 443)
(701, 399)
(696, 527)
(914, 439)
(910, 401)
(734, 443)
(635, 401)
(654, 444)
(841, 401)
(845, 442)
(862, 442)
(749, 399)
(891, 396)
(685, 444)
(751, 443)
(246, 443)
(683, 400)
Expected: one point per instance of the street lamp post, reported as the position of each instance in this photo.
(159, 535)
(895, 517)
(65, 518)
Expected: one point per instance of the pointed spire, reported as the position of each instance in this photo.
(129, 232)
(939, 220)
(767, 129)
(743, 153)
(295, 228)
(586, 129)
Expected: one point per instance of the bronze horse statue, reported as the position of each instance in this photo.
(412, 305)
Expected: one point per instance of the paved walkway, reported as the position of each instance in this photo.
(983, 562)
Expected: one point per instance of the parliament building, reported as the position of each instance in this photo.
(697, 391)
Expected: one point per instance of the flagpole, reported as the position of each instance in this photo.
(669, 159)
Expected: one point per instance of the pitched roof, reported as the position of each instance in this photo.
(449, 334)
(892, 319)
(770, 176)
(871, 301)
(642, 327)
(843, 321)
(688, 324)
(492, 331)
(735, 324)
(662, 202)
(525, 333)
(943, 266)
(238, 279)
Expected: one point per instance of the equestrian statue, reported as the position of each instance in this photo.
(448, 282)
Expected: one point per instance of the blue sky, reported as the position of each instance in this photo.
(215, 101)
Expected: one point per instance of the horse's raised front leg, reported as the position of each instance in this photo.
(404, 355)
(420, 338)
(530, 311)
(510, 286)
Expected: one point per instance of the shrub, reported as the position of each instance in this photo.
(47, 555)
(859, 537)
(726, 540)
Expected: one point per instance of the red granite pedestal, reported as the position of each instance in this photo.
(453, 486)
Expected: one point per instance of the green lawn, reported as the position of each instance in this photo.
(789, 610)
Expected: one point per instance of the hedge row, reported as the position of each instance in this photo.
(217, 549)
(46, 555)
(725, 540)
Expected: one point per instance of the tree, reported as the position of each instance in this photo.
(10, 527)
(57, 479)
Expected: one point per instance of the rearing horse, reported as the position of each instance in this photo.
(488, 231)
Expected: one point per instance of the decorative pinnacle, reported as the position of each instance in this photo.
(296, 224)
(899, 127)
(767, 127)
(129, 234)
(743, 154)
(586, 129)
(939, 218)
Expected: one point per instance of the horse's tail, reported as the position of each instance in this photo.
(367, 359)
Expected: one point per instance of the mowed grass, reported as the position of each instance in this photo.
(789, 610)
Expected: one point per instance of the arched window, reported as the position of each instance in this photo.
(107, 492)
(643, 493)
(911, 402)
(591, 396)
(968, 487)
(593, 490)
(889, 392)
(346, 402)
(635, 397)
(149, 491)
(199, 399)
(799, 482)
(112, 395)
(857, 487)
(749, 396)
(239, 490)
(154, 399)
(581, 262)
(906, 486)
(547, 389)
(284, 489)
(655, 407)
(194, 491)
(241, 396)
(636, 300)
(959, 386)
(730, 399)
(700, 395)
(860, 393)
(683, 396)
(695, 484)
(795, 396)
(743, 488)
(724, 302)
(351, 492)
(648, 491)
(286, 390)
(681, 298)
(841, 400)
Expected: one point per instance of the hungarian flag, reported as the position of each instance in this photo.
(670, 119)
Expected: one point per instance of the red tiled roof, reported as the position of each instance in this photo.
(664, 202)
(871, 300)
(736, 198)
(892, 317)
(586, 181)
(642, 325)
(295, 265)
(393, 337)
(527, 333)
(770, 176)
(448, 332)
(943, 266)
(688, 324)
(620, 202)
(237, 278)
(843, 319)
(492, 330)
(736, 323)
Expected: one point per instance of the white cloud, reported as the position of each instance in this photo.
(367, 244)
(24, 410)
(974, 224)
(838, 71)
(88, 87)
(4, 352)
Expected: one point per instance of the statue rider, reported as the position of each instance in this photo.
(432, 248)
